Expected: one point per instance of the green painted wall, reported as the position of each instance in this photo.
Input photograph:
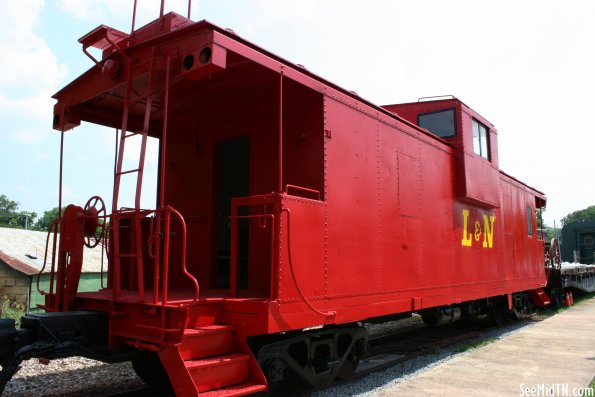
(88, 282)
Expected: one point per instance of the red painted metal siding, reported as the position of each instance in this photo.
(397, 234)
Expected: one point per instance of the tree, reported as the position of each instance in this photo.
(587, 214)
(540, 224)
(46, 221)
(7, 206)
(23, 220)
(10, 216)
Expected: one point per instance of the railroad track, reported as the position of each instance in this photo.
(405, 343)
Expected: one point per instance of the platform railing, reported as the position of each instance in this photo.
(264, 210)
(53, 234)
(159, 240)
(168, 211)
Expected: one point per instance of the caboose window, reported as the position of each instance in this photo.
(441, 123)
(480, 140)
(529, 221)
(541, 231)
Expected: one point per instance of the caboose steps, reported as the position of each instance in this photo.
(220, 371)
(235, 390)
(214, 340)
(539, 297)
(215, 361)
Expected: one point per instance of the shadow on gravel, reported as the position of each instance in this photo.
(93, 381)
(433, 357)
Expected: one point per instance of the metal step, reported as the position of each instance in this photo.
(208, 341)
(219, 371)
(539, 297)
(235, 390)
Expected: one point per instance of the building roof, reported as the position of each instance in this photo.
(24, 250)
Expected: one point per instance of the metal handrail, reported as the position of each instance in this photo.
(161, 12)
(166, 212)
(154, 239)
(45, 258)
(253, 202)
(104, 248)
(169, 209)
(233, 269)
(303, 189)
(329, 313)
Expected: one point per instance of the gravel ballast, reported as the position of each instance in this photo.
(73, 376)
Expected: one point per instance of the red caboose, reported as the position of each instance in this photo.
(288, 211)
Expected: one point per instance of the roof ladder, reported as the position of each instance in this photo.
(134, 214)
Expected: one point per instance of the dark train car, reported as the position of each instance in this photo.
(578, 243)
(289, 210)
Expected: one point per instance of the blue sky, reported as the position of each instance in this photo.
(527, 66)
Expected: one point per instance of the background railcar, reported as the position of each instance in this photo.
(288, 211)
(578, 242)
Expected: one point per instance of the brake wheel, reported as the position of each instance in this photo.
(95, 216)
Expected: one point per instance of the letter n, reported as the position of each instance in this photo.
(488, 233)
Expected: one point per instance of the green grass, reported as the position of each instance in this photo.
(592, 387)
(13, 310)
(473, 345)
(577, 298)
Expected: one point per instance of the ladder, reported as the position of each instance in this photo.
(132, 98)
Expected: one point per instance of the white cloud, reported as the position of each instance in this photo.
(29, 73)
(92, 10)
(118, 13)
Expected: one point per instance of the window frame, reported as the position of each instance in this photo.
(541, 232)
(454, 118)
(530, 217)
(486, 155)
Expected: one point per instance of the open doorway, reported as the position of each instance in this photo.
(231, 179)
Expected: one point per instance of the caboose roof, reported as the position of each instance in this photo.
(238, 44)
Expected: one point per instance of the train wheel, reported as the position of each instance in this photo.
(348, 368)
(498, 310)
(352, 361)
(148, 367)
(275, 371)
(432, 317)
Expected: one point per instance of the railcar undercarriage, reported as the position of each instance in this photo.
(55, 335)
